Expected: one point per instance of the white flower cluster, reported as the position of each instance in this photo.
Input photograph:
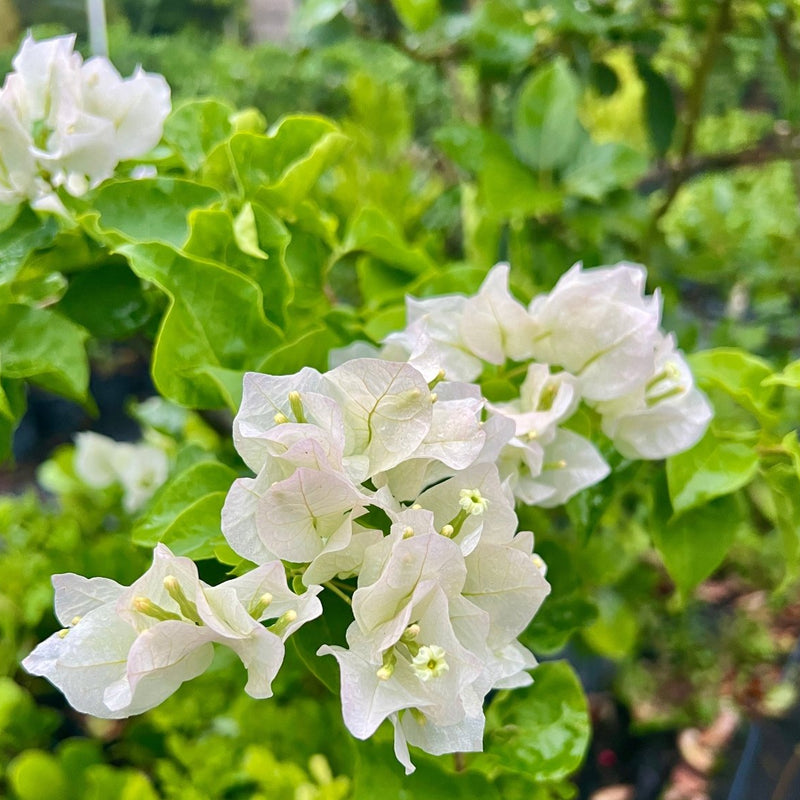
(139, 469)
(391, 482)
(68, 123)
(595, 338)
(125, 649)
(443, 587)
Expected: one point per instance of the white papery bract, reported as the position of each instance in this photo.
(66, 123)
(125, 649)
(598, 325)
(138, 468)
(665, 415)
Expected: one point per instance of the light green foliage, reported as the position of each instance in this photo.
(406, 147)
(543, 730)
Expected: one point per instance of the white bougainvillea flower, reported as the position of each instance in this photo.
(548, 475)
(494, 325)
(17, 164)
(387, 409)
(545, 400)
(266, 405)
(664, 416)
(75, 121)
(432, 339)
(599, 326)
(135, 107)
(125, 649)
(138, 468)
(470, 506)
(424, 668)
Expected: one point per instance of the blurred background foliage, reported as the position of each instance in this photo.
(666, 133)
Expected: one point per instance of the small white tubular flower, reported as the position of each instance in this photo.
(429, 662)
(432, 340)
(545, 400)
(128, 648)
(665, 416)
(599, 326)
(94, 459)
(494, 326)
(474, 504)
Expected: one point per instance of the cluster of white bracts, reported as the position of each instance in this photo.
(68, 123)
(392, 483)
(595, 338)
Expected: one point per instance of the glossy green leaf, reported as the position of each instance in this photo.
(695, 543)
(213, 331)
(546, 127)
(557, 620)
(372, 231)
(195, 127)
(789, 376)
(185, 512)
(541, 730)
(737, 373)
(108, 301)
(213, 238)
(18, 241)
(147, 210)
(713, 467)
(785, 488)
(46, 348)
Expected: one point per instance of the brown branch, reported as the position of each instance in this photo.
(694, 104)
(775, 147)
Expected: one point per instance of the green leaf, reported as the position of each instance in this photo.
(213, 238)
(195, 127)
(695, 543)
(546, 127)
(541, 730)
(18, 241)
(185, 512)
(372, 231)
(659, 107)
(613, 634)
(417, 15)
(280, 168)
(600, 169)
(557, 620)
(790, 376)
(738, 374)
(147, 210)
(108, 301)
(13, 402)
(509, 189)
(712, 468)
(377, 774)
(213, 331)
(783, 483)
(46, 348)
